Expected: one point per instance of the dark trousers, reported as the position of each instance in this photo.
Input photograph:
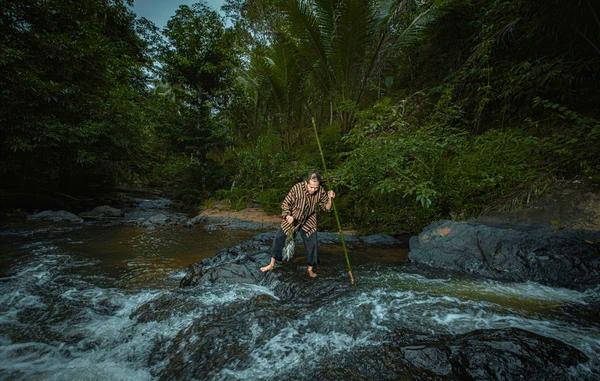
(310, 245)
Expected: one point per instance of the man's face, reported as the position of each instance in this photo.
(312, 186)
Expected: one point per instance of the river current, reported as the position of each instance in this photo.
(70, 296)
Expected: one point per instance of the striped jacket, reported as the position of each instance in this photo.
(303, 206)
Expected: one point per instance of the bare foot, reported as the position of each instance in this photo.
(268, 267)
(311, 273)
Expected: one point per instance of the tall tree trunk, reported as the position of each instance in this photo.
(330, 112)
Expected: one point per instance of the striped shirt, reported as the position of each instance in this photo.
(302, 205)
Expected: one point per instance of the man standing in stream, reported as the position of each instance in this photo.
(300, 207)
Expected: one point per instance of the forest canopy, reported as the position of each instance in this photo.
(426, 109)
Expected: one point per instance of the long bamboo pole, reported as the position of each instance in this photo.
(337, 217)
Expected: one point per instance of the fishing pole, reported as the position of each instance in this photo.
(337, 217)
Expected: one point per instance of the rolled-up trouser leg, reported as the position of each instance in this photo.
(310, 245)
(278, 243)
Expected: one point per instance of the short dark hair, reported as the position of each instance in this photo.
(313, 174)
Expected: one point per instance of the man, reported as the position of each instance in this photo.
(299, 207)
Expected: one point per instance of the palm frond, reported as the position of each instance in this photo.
(412, 33)
(355, 29)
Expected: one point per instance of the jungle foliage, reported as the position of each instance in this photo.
(429, 109)
(426, 109)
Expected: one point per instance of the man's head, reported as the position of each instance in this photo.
(313, 181)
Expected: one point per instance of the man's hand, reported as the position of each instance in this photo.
(329, 203)
(289, 219)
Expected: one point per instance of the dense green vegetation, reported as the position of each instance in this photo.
(72, 84)
(426, 109)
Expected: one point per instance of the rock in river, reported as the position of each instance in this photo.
(102, 212)
(240, 263)
(237, 264)
(487, 354)
(56, 216)
(564, 258)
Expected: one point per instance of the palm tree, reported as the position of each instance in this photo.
(342, 43)
(279, 85)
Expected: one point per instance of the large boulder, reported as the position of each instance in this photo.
(565, 258)
(237, 264)
(241, 263)
(207, 346)
(333, 238)
(492, 354)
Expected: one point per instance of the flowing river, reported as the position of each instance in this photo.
(75, 305)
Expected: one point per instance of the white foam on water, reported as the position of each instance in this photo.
(19, 299)
(300, 344)
(537, 291)
(177, 274)
(424, 312)
(103, 343)
(45, 362)
(224, 294)
(517, 290)
(107, 344)
(586, 339)
(290, 348)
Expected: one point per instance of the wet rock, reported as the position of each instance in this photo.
(203, 349)
(333, 238)
(234, 265)
(164, 307)
(244, 269)
(502, 354)
(237, 264)
(102, 212)
(152, 212)
(241, 263)
(56, 216)
(227, 341)
(380, 240)
(160, 219)
(564, 258)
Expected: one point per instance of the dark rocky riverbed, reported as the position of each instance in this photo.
(564, 258)
(119, 299)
